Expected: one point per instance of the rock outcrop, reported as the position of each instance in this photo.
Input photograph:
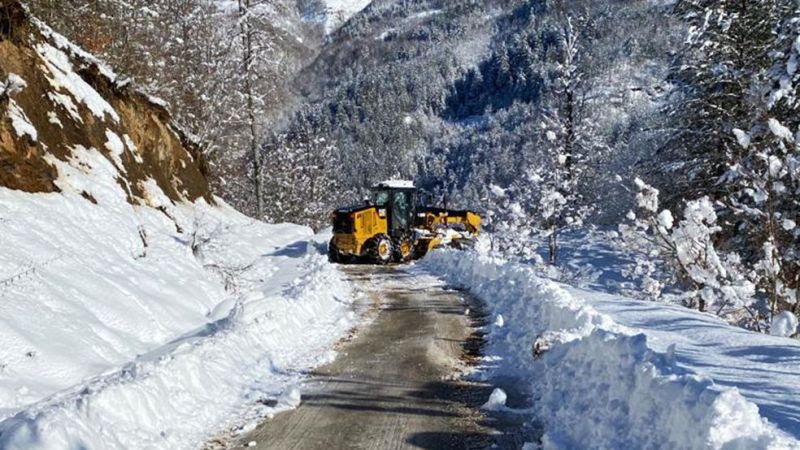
(56, 100)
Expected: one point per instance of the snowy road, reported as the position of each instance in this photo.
(395, 385)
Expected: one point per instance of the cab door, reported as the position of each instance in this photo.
(402, 213)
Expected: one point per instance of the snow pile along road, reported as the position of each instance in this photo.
(125, 327)
(617, 373)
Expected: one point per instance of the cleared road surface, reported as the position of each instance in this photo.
(395, 384)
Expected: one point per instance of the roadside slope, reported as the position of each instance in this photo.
(136, 310)
(57, 100)
(285, 309)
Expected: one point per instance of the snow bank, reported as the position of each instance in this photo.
(178, 395)
(601, 383)
(133, 326)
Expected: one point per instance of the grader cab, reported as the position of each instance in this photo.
(392, 227)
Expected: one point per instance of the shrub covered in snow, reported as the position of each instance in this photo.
(709, 279)
(784, 324)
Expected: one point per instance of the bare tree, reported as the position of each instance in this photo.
(247, 35)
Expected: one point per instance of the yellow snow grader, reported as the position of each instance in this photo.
(391, 227)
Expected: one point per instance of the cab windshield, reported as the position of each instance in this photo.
(381, 198)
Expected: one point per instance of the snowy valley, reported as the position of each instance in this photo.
(333, 13)
(168, 172)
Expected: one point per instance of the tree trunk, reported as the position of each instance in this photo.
(772, 227)
(569, 128)
(247, 67)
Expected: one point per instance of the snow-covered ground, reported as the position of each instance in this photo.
(127, 326)
(610, 372)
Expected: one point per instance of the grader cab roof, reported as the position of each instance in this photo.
(395, 184)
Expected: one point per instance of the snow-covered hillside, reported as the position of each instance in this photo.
(610, 372)
(136, 309)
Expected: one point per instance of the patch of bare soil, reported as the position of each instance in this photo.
(162, 152)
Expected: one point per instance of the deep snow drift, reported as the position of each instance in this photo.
(610, 372)
(126, 327)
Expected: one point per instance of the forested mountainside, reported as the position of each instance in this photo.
(434, 90)
(675, 119)
(678, 119)
(460, 95)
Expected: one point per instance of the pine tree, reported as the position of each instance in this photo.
(766, 183)
(716, 83)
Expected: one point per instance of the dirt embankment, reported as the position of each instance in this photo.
(55, 98)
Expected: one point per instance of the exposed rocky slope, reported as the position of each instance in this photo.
(58, 99)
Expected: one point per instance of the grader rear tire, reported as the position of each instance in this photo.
(381, 250)
(333, 253)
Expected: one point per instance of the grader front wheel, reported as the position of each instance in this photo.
(404, 251)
